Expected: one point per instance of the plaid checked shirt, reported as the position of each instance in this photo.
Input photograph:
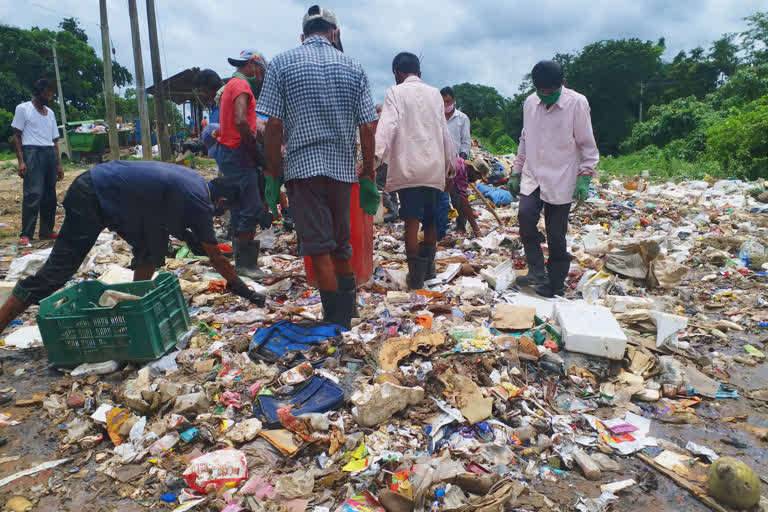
(321, 95)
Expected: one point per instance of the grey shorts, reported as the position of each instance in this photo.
(320, 209)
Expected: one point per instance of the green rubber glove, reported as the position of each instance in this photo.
(514, 184)
(272, 191)
(581, 192)
(369, 195)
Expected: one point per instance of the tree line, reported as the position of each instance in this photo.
(26, 55)
(706, 103)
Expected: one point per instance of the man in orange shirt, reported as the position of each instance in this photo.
(239, 155)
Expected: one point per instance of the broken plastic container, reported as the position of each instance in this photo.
(361, 240)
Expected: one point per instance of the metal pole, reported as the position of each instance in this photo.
(109, 91)
(157, 76)
(62, 108)
(141, 96)
(640, 115)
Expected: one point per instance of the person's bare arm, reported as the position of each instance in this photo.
(143, 272)
(470, 215)
(273, 141)
(59, 167)
(22, 170)
(241, 120)
(368, 148)
(220, 263)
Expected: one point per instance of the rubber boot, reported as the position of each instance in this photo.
(12, 308)
(536, 273)
(428, 252)
(558, 271)
(338, 308)
(417, 269)
(348, 284)
(247, 259)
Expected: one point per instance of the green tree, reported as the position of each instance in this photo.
(609, 73)
(478, 101)
(747, 84)
(5, 125)
(72, 25)
(684, 119)
(755, 38)
(26, 55)
(740, 141)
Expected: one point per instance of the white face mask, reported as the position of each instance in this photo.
(449, 108)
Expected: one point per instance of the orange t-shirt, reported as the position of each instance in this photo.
(228, 134)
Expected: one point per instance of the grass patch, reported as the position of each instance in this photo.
(660, 166)
(8, 233)
(7, 155)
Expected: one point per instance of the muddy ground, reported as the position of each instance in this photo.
(76, 486)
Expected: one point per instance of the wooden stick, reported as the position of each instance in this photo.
(487, 204)
(685, 484)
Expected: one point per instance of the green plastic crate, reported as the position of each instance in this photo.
(75, 329)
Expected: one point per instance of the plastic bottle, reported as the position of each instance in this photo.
(88, 369)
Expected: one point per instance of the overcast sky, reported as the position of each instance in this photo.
(487, 42)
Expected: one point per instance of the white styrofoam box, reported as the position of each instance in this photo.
(544, 307)
(590, 330)
(6, 287)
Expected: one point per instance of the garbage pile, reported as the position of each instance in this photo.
(469, 395)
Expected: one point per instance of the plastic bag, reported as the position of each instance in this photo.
(753, 254)
(216, 469)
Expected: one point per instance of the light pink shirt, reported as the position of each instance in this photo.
(557, 145)
(412, 137)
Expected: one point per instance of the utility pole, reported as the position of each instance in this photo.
(640, 114)
(109, 91)
(141, 97)
(157, 76)
(62, 108)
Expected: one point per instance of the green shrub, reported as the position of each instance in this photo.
(740, 142)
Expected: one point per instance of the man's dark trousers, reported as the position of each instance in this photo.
(556, 221)
(39, 190)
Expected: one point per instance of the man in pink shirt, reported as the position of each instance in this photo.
(554, 166)
(412, 138)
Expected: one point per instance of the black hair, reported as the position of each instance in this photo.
(41, 86)
(208, 78)
(318, 26)
(226, 186)
(547, 74)
(448, 91)
(406, 63)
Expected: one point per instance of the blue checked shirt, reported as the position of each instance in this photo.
(322, 96)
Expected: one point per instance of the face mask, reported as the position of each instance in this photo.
(253, 82)
(449, 108)
(550, 99)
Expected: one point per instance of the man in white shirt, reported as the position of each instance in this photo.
(413, 140)
(458, 127)
(36, 132)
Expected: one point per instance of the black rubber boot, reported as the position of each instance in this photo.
(558, 272)
(338, 308)
(417, 270)
(348, 284)
(536, 273)
(247, 259)
(428, 252)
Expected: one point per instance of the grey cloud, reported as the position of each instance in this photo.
(489, 42)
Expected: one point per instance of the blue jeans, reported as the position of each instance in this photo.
(241, 163)
(443, 207)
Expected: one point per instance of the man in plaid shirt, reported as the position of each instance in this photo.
(316, 96)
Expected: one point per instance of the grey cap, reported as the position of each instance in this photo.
(319, 13)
